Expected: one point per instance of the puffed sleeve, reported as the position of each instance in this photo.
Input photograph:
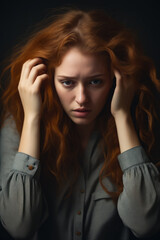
(139, 203)
(22, 206)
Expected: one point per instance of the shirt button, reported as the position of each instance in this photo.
(78, 233)
(30, 167)
(79, 212)
(82, 191)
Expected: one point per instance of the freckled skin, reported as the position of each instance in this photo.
(82, 90)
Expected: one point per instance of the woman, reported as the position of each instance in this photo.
(79, 134)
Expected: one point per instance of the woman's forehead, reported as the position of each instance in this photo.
(76, 60)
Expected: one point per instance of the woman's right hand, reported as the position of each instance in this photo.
(33, 73)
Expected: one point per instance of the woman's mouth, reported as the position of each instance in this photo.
(81, 112)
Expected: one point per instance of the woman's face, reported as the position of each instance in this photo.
(82, 83)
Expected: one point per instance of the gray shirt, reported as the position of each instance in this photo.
(27, 210)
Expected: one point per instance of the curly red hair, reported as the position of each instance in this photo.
(93, 32)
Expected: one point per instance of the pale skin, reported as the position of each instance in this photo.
(85, 92)
(82, 81)
(32, 75)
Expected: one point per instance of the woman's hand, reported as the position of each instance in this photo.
(123, 96)
(120, 109)
(32, 75)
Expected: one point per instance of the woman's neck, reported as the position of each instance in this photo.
(85, 133)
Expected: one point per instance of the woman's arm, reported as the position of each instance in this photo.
(139, 202)
(22, 205)
(126, 132)
(32, 76)
(120, 108)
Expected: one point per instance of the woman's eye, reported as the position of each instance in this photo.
(67, 83)
(96, 82)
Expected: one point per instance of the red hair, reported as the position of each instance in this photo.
(96, 33)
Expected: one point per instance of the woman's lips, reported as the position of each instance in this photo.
(81, 112)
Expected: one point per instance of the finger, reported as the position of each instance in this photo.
(36, 71)
(118, 77)
(27, 66)
(117, 73)
(38, 82)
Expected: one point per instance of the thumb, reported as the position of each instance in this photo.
(118, 78)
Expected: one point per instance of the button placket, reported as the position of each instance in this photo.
(79, 212)
(78, 233)
(82, 191)
(78, 229)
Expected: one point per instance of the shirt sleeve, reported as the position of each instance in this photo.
(139, 203)
(22, 206)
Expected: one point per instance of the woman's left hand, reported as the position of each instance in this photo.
(123, 95)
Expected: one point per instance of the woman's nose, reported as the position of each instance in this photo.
(81, 95)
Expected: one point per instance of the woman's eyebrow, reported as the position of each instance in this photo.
(96, 76)
(66, 77)
(75, 77)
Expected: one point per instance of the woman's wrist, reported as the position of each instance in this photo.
(30, 137)
(32, 119)
(122, 116)
(127, 134)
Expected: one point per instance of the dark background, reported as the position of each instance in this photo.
(19, 18)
